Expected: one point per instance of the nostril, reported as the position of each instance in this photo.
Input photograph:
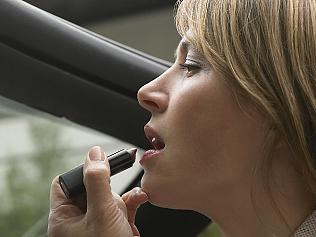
(151, 104)
(152, 100)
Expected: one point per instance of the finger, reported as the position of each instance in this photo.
(57, 196)
(120, 203)
(133, 199)
(97, 182)
(122, 206)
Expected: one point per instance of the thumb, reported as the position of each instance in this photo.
(97, 182)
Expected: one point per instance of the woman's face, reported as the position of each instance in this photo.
(210, 145)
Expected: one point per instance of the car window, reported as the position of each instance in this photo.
(151, 32)
(34, 148)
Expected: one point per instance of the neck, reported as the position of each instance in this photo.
(252, 209)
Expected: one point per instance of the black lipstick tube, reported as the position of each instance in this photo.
(71, 182)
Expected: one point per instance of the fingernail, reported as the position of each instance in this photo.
(95, 153)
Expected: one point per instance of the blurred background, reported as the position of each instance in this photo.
(35, 147)
(147, 25)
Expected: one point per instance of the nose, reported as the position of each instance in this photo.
(153, 96)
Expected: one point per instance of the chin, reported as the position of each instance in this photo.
(156, 191)
(162, 195)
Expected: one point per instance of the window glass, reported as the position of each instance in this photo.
(152, 32)
(34, 148)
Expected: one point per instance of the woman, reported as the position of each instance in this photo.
(233, 118)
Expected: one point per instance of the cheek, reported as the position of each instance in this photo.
(198, 116)
(212, 144)
(215, 134)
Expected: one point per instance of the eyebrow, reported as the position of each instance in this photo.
(183, 45)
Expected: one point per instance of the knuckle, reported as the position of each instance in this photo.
(95, 172)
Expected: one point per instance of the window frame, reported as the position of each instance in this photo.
(57, 67)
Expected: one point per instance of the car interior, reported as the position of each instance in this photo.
(67, 82)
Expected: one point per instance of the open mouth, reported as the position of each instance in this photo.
(154, 139)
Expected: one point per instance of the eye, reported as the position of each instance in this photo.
(189, 68)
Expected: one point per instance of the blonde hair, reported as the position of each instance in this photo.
(266, 50)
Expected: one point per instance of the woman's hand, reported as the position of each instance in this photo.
(101, 213)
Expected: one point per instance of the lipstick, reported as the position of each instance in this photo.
(71, 182)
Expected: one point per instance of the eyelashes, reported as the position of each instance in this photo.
(190, 68)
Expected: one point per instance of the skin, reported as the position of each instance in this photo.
(102, 213)
(212, 148)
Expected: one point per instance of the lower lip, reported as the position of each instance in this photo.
(148, 155)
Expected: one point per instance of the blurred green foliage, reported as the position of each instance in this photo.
(28, 182)
(211, 230)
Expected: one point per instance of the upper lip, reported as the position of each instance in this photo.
(155, 140)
